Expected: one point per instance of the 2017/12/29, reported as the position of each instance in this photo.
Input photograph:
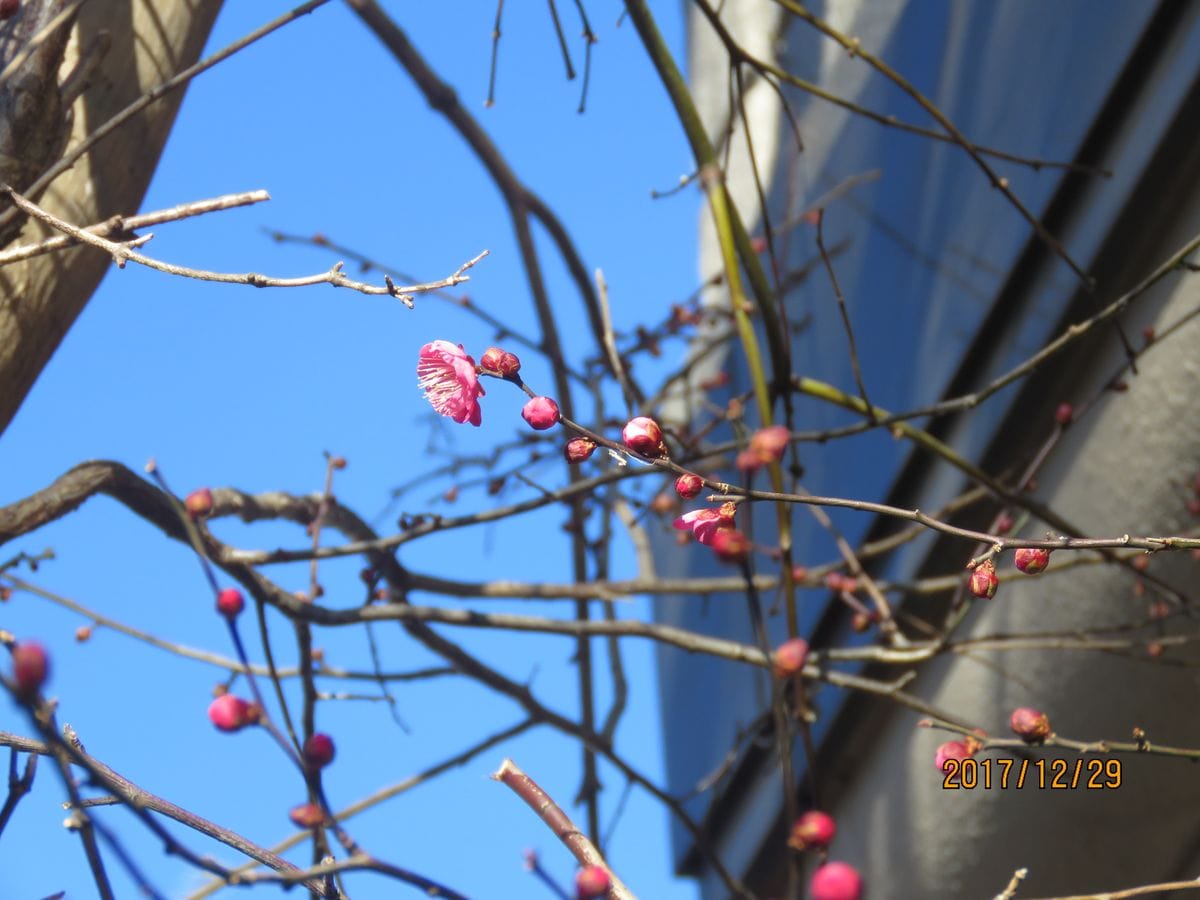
(1056, 774)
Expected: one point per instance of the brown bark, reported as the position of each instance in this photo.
(126, 47)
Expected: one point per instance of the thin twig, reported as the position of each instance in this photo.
(118, 224)
(122, 252)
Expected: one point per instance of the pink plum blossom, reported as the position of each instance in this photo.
(705, 522)
(447, 376)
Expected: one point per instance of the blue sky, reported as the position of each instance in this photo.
(227, 385)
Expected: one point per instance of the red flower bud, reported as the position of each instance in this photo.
(1064, 414)
(768, 444)
(813, 829)
(230, 713)
(747, 461)
(642, 435)
(8, 8)
(230, 603)
(541, 413)
(730, 544)
(952, 750)
(499, 362)
(789, 657)
(307, 815)
(836, 881)
(984, 581)
(591, 882)
(578, 449)
(318, 750)
(1029, 724)
(31, 667)
(1031, 560)
(199, 503)
(688, 485)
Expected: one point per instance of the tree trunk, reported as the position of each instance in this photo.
(125, 47)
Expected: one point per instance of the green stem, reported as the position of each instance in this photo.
(735, 245)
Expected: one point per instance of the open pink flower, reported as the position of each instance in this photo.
(447, 376)
(705, 522)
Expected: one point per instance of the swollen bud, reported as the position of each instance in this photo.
(768, 444)
(1031, 560)
(789, 657)
(499, 362)
(591, 882)
(31, 667)
(230, 713)
(199, 503)
(541, 413)
(688, 485)
(730, 544)
(318, 750)
(958, 750)
(814, 830)
(578, 449)
(984, 581)
(642, 435)
(836, 881)
(1029, 724)
(307, 815)
(230, 603)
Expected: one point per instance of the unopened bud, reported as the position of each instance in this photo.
(578, 449)
(1031, 560)
(199, 503)
(688, 485)
(499, 362)
(813, 830)
(984, 581)
(1030, 725)
(642, 435)
(789, 657)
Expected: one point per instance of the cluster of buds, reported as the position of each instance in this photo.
(499, 363)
